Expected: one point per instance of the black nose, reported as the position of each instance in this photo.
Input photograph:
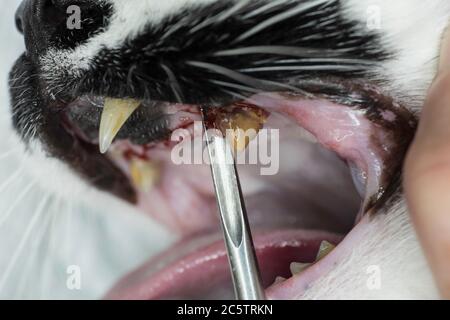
(38, 20)
(19, 16)
(39, 14)
(50, 23)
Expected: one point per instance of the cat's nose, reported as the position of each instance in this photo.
(39, 21)
(38, 15)
(60, 23)
(19, 16)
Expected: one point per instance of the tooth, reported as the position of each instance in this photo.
(324, 249)
(279, 280)
(115, 113)
(144, 174)
(242, 127)
(239, 139)
(297, 267)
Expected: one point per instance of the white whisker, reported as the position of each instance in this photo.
(244, 79)
(67, 241)
(34, 256)
(16, 202)
(176, 88)
(221, 17)
(23, 241)
(234, 86)
(263, 9)
(279, 17)
(274, 50)
(233, 94)
(51, 237)
(16, 174)
(304, 68)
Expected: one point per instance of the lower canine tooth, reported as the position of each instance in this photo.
(324, 249)
(297, 267)
(144, 174)
(115, 113)
(279, 280)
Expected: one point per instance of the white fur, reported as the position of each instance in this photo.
(105, 242)
(413, 30)
(130, 17)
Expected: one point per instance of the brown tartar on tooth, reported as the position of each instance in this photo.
(240, 123)
(298, 267)
(324, 249)
(145, 174)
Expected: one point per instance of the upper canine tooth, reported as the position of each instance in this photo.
(115, 113)
(324, 249)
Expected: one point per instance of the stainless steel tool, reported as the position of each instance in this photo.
(238, 239)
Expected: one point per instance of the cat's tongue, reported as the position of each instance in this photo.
(195, 270)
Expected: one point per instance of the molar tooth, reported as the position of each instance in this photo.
(144, 174)
(242, 127)
(115, 113)
(297, 267)
(324, 249)
(239, 139)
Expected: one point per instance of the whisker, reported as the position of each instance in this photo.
(247, 80)
(221, 16)
(68, 229)
(23, 241)
(278, 18)
(263, 9)
(16, 202)
(16, 174)
(304, 68)
(33, 256)
(233, 94)
(50, 247)
(174, 84)
(233, 85)
(9, 153)
(288, 51)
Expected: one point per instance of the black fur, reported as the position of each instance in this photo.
(152, 68)
(34, 118)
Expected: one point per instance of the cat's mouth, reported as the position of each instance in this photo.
(339, 161)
